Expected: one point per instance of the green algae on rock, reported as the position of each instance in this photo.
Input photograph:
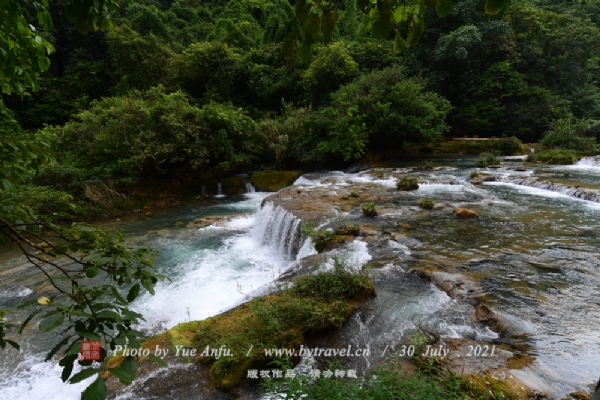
(272, 181)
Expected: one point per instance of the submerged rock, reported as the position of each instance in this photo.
(272, 181)
(465, 213)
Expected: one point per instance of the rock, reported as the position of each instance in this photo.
(485, 315)
(179, 224)
(439, 206)
(273, 181)
(148, 214)
(478, 180)
(118, 220)
(580, 396)
(465, 213)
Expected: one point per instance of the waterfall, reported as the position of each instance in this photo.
(250, 188)
(572, 191)
(278, 228)
(203, 189)
(219, 189)
(589, 161)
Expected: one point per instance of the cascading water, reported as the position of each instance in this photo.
(278, 228)
(219, 189)
(589, 162)
(203, 190)
(571, 191)
(250, 188)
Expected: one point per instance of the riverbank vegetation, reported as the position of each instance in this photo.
(180, 88)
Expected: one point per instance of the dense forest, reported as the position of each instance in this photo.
(203, 85)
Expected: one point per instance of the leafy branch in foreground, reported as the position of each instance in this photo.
(84, 267)
(404, 19)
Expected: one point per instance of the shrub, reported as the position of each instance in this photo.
(564, 134)
(562, 157)
(348, 230)
(428, 164)
(369, 209)
(486, 159)
(426, 203)
(474, 174)
(354, 194)
(407, 183)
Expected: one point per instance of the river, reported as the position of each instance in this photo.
(534, 255)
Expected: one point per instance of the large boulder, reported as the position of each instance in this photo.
(273, 181)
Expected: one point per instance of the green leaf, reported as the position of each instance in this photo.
(302, 9)
(289, 44)
(399, 44)
(127, 371)
(133, 292)
(83, 375)
(51, 322)
(13, 344)
(67, 363)
(382, 28)
(328, 22)
(45, 19)
(109, 315)
(399, 14)
(96, 391)
(443, 7)
(415, 33)
(493, 7)
(92, 272)
(158, 360)
(148, 285)
(56, 348)
(8, 185)
(312, 28)
(304, 52)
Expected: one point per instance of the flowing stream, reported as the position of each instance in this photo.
(534, 254)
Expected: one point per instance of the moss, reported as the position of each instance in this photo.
(506, 146)
(561, 157)
(407, 183)
(233, 185)
(426, 203)
(316, 303)
(369, 209)
(273, 181)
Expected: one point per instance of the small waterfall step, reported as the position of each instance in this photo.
(589, 161)
(571, 191)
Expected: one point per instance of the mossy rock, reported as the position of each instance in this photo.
(233, 185)
(273, 181)
(407, 183)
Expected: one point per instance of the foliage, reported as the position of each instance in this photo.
(560, 156)
(388, 381)
(407, 183)
(395, 110)
(505, 146)
(24, 50)
(315, 303)
(348, 230)
(486, 159)
(426, 203)
(210, 69)
(157, 132)
(565, 134)
(354, 194)
(332, 67)
(141, 61)
(474, 174)
(369, 209)
(405, 20)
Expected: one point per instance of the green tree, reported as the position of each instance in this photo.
(24, 49)
(332, 67)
